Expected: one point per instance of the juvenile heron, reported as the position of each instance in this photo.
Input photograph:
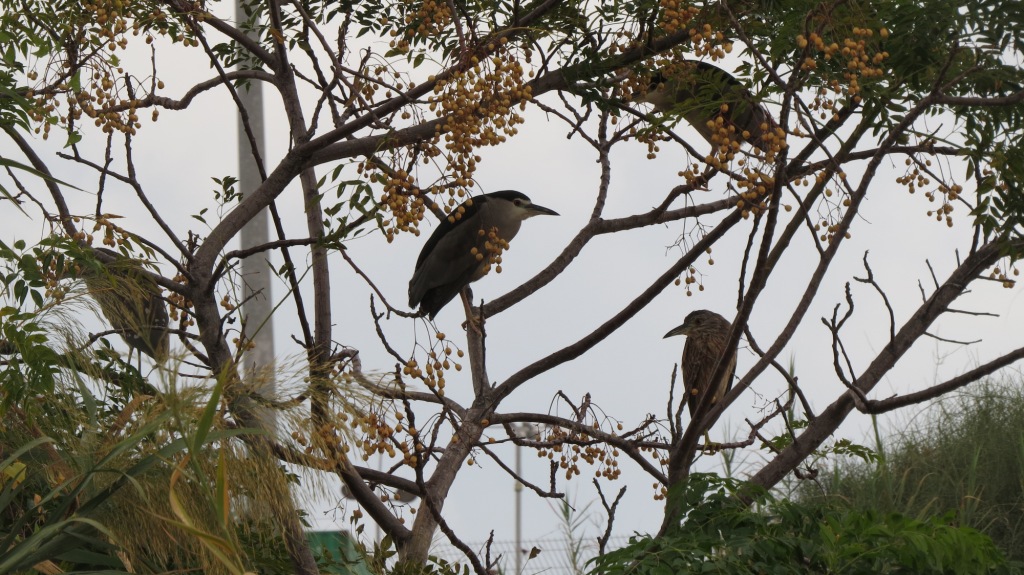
(706, 335)
(462, 248)
(131, 302)
(702, 92)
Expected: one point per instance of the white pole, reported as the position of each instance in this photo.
(519, 511)
(257, 302)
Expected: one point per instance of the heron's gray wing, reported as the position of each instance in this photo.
(447, 268)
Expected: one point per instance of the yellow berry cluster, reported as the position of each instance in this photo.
(826, 100)
(113, 235)
(691, 174)
(457, 213)
(101, 29)
(826, 230)
(240, 341)
(401, 197)
(726, 141)
(1002, 274)
(44, 107)
(108, 111)
(571, 447)
(707, 41)
(373, 433)
(480, 106)
(661, 457)
(53, 275)
(832, 206)
(917, 177)
(428, 19)
(632, 87)
(375, 79)
(827, 227)
(326, 439)
(660, 491)
(755, 188)
(439, 361)
(858, 54)
(379, 436)
(948, 195)
(179, 304)
(650, 136)
(494, 245)
(690, 278)
(676, 15)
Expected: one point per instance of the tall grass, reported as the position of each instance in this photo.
(964, 453)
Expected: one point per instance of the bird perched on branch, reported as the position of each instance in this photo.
(702, 93)
(465, 245)
(131, 302)
(706, 336)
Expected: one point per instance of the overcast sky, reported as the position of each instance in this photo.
(628, 374)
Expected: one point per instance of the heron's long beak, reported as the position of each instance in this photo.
(680, 330)
(536, 210)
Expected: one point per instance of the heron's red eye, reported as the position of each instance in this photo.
(517, 202)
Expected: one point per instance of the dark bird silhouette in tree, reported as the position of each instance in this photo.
(465, 246)
(702, 94)
(132, 302)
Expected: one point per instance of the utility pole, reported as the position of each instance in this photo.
(256, 272)
(519, 512)
(259, 367)
(531, 431)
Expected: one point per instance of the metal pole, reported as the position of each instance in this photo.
(519, 511)
(257, 302)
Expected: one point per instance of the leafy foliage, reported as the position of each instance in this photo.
(85, 489)
(732, 527)
(964, 453)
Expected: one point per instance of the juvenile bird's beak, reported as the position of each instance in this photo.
(680, 330)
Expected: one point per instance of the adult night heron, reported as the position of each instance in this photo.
(131, 302)
(706, 335)
(465, 244)
(701, 93)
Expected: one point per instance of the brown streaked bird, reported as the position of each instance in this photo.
(131, 302)
(700, 93)
(706, 335)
